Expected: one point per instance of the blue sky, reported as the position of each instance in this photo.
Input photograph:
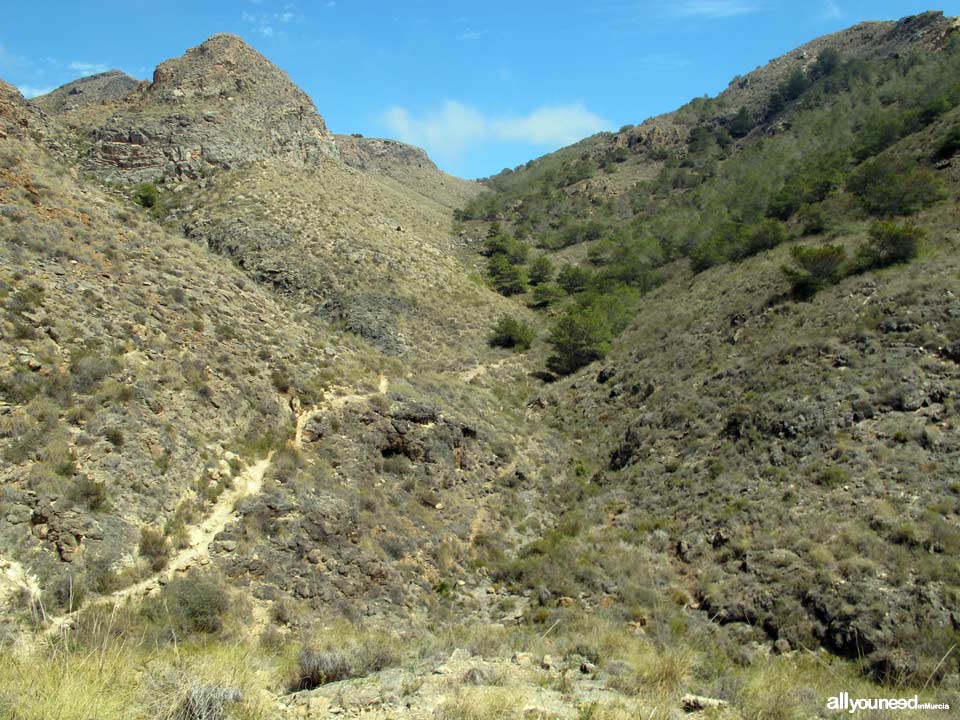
(481, 86)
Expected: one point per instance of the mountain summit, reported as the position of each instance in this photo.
(220, 104)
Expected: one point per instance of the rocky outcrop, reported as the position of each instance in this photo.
(110, 86)
(219, 105)
(376, 154)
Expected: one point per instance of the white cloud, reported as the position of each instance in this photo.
(86, 68)
(30, 91)
(714, 9)
(471, 34)
(831, 11)
(451, 129)
(551, 125)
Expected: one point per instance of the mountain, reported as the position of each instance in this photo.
(266, 449)
(219, 104)
(765, 384)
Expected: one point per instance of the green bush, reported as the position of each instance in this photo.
(765, 235)
(512, 333)
(894, 186)
(815, 268)
(146, 195)
(889, 244)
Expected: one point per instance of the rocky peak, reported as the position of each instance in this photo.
(220, 104)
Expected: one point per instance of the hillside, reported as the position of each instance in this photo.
(263, 454)
(766, 386)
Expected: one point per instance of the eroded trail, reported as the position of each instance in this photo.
(224, 511)
(248, 482)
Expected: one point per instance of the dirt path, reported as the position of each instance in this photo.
(247, 483)
(483, 368)
(224, 511)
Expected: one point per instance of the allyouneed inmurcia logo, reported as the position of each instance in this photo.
(843, 701)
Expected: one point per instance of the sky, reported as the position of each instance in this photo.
(480, 85)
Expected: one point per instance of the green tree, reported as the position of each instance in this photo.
(742, 123)
(574, 278)
(546, 294)
(515, 250)
(540, 270)
(828, 61)
(579, 337)
(512, 333)
(508, 279)
(795, 85)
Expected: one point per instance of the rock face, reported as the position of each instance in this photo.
(376, 154)
(220, 104)
(110, 86)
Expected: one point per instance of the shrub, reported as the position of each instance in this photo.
(756, 238)
(512, 333)
(154, 547)
(87, 491)
(950, 145)
(815, 268)
(894, 186)
(194, 603)
(146, 195)
(889, 244)
(179, 696)
(87, 371)
(319, 667)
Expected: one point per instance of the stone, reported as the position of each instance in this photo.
(524, 659)
(696, 703)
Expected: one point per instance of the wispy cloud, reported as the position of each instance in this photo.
(714, 9)
(88, 68)
(469, 34)
(31, 91)
(831, 10)
(270, 24)
(453, 128)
